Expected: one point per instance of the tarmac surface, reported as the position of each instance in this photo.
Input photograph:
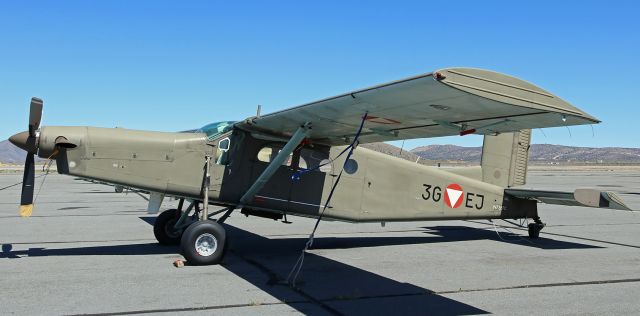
(89, 250)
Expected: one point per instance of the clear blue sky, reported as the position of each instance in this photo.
(171, 66)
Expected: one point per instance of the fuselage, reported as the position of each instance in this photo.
(373, 187)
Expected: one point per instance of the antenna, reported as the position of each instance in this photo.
(543, 133)
(258, 111)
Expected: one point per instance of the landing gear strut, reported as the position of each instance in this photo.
(535, 228)
(205, 241)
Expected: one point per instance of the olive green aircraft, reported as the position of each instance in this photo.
(305, 160)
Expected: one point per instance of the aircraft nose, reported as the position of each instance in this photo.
(24, 141)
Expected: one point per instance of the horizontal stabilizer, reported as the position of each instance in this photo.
(581, 197)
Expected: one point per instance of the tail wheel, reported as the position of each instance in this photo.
(534, 230)
(164, 230)
(203, 243)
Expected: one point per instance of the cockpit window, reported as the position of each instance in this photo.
(224, 144)
(216, 129)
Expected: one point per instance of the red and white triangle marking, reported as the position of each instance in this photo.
(453, 195)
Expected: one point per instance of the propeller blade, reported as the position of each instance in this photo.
(28, 180)
(35, 115)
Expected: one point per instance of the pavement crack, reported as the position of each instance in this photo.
(595, 240)
(184, 309)
(543, 285)
(365, 297)
(73, 215)
(76, 241)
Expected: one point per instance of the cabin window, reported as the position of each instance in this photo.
(314, 159)
(306, 158)
(267, 154)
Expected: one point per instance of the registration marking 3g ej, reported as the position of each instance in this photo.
(454, 196)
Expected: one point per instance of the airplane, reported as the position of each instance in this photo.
(305, 160)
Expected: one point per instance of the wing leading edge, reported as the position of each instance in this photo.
(454, 101)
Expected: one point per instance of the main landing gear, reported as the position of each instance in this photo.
(202, 241)
(535, 228)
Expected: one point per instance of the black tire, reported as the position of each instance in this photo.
(163, 228)
(204, 232)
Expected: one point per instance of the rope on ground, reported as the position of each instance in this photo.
(495, 228)
(45, 168)
(19, 183)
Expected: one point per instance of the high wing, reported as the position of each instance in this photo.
(454, 101)
(581, 197)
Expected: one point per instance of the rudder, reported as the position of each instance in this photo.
(505, 158)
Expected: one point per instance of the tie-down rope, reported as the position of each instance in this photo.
(295, 271)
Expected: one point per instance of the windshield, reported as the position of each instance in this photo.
(216, 129)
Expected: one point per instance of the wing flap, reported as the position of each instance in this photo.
(580, 197)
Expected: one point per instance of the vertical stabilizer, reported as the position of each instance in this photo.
(505, 157)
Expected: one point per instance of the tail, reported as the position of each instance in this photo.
(505, 157)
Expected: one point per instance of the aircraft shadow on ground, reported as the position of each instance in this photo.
(348, 289)
(465, 233)
(324, 285)
(330, 285)
(115, 250)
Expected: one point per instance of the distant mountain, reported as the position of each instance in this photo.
(584, 154)
(391, 150)
(448, 152)
(9, 153)
(539, 153)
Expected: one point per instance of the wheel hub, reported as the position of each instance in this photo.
(206, 244)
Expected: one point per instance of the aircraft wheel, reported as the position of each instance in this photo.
(534, 230)
(163, 228)
(203, 243)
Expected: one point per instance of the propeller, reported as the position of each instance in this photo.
(35, 115)
(26, 198)
(29, 141)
